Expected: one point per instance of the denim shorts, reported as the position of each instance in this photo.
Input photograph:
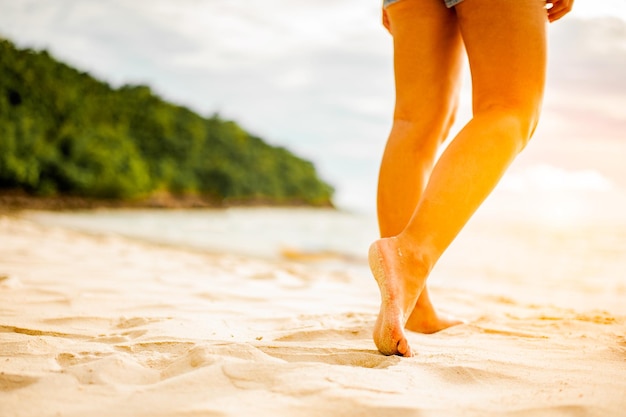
(449, 3)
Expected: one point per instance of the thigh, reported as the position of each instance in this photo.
(506, 48)
(427, 58)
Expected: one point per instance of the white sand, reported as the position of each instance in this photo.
(103, 326)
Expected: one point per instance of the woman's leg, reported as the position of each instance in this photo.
(427, 63)
(428, 52)
(505, 43)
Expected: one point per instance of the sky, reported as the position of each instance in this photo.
(599, 8)
(316, 77)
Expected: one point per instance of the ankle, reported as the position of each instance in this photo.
(419, 256)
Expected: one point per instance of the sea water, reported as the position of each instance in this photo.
(565, 244)
(272, 233)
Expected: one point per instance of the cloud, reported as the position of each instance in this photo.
(589, 54)
(549, 178)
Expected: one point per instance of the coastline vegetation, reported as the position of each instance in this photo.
(64, 133)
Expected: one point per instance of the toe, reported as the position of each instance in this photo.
(404, 349)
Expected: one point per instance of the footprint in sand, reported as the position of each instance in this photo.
(621, 345)
(348, 326)
(172, 347)
(9, 382)
(67, 359)
(131, 333)
(332, 356)
(10, 282)
(353, 333)
(468, 375)
(36, 332)
(110, 369)
(119, 338)
(199, 356)
(125, 323)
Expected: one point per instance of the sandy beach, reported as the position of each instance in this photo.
(100, 325)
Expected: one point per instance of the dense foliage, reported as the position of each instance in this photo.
(62, 132)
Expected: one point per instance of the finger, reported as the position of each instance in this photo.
(553, 16)
(559, 9)
(556, 16)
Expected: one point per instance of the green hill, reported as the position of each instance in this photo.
(64, 133)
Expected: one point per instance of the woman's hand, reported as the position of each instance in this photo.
(559, 9)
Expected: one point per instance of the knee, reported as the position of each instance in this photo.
(519, 121)
(416, 137)
(423, 132)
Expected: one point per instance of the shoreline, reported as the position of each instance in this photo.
(298, 234)
(15, 200)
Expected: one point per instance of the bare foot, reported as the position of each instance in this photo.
(400, 285)
(425, 319)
